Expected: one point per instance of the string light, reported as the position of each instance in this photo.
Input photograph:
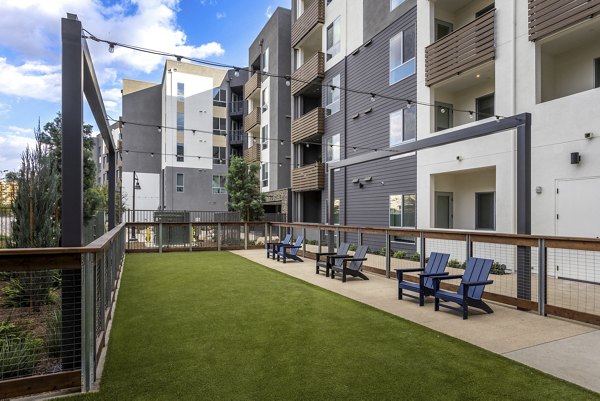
(287, 77)
(372, 97)
(236, 72)
(471, 115)
(111, 48)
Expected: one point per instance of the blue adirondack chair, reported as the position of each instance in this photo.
(290, 251)
(332, 258)
(435, 267)
(273, 247)
(470, 290)
(352, 266)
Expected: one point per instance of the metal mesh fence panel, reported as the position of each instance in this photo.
(6, 220)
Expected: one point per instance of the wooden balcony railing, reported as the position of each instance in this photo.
(252, 119)
(309, 125)
(463, 49)
(311, 72)
(252, 85)
(549, 17)
(313, 15)
(308, 178)
(252, 154)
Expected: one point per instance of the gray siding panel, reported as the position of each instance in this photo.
(377, 15)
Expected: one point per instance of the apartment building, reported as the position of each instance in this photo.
(100, 155)
(267, 117)
(175, 139)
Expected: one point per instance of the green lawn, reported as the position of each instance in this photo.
(214, 326)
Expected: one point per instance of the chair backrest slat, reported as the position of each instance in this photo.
(298, 242)
(360, 253)
(287, 239)
(435, 265)
(342, 250)
(478, 269)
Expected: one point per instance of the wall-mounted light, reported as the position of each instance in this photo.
(538, 190)
(575, 158)
(459, 158)
(588, 135)
(356, 181)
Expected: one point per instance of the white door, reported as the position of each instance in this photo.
(578, 215)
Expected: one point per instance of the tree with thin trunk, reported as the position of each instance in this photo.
(243, 187)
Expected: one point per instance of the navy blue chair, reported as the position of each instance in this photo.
(352, 266)
(435, 267)
(293, 251)
(471, 287)
(332, 258)
(273, 247)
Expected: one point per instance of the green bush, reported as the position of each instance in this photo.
(312, 242)
(54, 329)
(19, 351)
(415, 257)
(399, 255)
(5, 276)
(454, 263)
(353, 247)
(30, 289)
(498, 268)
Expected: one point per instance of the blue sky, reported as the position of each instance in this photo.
(30, 76)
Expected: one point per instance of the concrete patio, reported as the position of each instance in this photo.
(555, 346)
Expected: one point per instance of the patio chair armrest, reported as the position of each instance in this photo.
(449, 277)
(353, 260)
(433, 274)
(319, 254)
(339, 256)
(476, 283)
(414, 269)
(291, 246)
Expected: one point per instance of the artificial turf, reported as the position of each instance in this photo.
(215, 326)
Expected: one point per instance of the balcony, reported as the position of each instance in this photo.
(311, 72)
(309, 125)
(550, 17)
(312, 16)
(252, 154)
(308, 178)
(466, 48)
(252, 119)
(252, 85)
(236, 108)
(236, 137)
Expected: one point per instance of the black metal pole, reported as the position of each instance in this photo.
(524, 206)
(133, 233)
(72, 186)
(112, 176)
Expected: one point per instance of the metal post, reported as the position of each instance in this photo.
(88, 335)
(72, 186)
(112, 177)
(304, 242)
(388, 244)
(524, 207)
(468, 248)
(541, 277)
(218, 236)
(246, 236)
(160, 237)
(267, 228)
(360, 237)
(330, 214)
(422, 250)
(191, 235)
(319, 240)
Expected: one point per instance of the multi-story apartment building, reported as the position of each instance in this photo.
(100, 154)
(175, 139)
(8, 192)
(233, 90)
(267, 120)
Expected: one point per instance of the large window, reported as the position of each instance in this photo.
(395, 3)
(219, 126)
(332, 105)
(180, 91)
(597, 73)
(265, 60)
(265, 99)
(485, 210)
(336, 211)
(180, 122)
(403, 126)
(219, 97)
(179, 184)
(219, 154)
(218, 184)
(403, 210)
(264, 175)
(333, 148)
(264, 137)
(333, 38)
(402, 55)
(484, 106)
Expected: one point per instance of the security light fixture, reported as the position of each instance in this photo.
(588, 135)
(575, 158)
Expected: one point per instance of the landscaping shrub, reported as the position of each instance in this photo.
(454, 263)
(19, 351)
(54, 330)
(415, 257)
(353, 247)
(5, 276)
(30, 289)
(399, 255)
(312, 242)
(498, 268)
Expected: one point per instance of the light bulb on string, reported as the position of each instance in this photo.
(111, 48)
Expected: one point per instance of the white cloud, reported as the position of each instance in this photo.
(11, 146)
(269, 11)
(20, 131)
(31, 80)
(221, 15)
(5, 109)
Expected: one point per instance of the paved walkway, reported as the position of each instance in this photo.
(559, 347)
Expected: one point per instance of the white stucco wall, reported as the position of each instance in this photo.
(351, 27)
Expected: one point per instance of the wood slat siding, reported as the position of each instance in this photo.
(252, 84)
(463, 49)
(311, 72)
(549, 17)
(313, 15)
(252, 154)
(309, 125)
(308, 178)
(252, 119)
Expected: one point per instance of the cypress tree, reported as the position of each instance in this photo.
(243, 187)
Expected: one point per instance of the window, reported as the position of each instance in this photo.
(597, 73)
(333, 148)
(265, 100)
(219, 154)
(442, 28)
(179, 186)
(333, 39)
(403, 126)
(264, 175)
(218, 184)
(484, 106)
(265, 60)
(485, 10)
(485, 210)
(329, 2)
(336, 211)
(403, 210)
(395, 3)
(333, 96)
(219, 97)
(180, 152)
(180, 121)
(180, 91)
(402, 55)
(443, 116)
(219, 126)
(264, 137)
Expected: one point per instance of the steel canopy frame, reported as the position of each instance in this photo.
(522, 123)
(79, 79)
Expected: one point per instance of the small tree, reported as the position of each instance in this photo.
(243, 187)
